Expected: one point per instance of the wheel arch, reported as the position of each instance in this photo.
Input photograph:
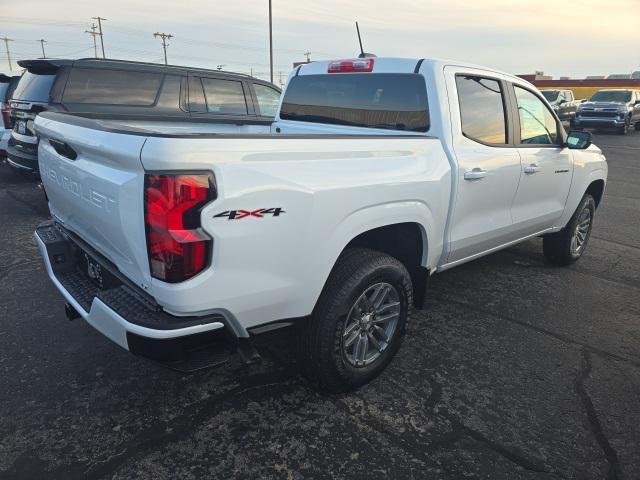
(596, 190)
(405, 241)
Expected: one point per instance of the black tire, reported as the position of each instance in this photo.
(637, 126)
(625, 129)
(322, 355)
(557, 247)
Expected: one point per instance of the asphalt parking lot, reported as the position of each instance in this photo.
(516, 369)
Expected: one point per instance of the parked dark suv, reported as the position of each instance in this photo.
(7, 86)
(151, 96)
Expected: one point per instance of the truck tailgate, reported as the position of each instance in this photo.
(98, 194)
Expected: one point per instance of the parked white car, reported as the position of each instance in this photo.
(379, 173)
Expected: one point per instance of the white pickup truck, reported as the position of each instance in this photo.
(378, 173)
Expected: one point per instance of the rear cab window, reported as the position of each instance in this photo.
(112, 87)
(393, 101)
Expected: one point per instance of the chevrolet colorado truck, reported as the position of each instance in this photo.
(379, 172)
(563, 103)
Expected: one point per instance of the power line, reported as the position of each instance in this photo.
(93, 34)
(100, 30)
(6, 46)
(164, 37)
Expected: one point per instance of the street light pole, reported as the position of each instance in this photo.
(270, 43)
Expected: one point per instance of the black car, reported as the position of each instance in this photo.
(152, 96)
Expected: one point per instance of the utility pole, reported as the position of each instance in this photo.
(100, 32)
(270, 43)
(308, 55)
(6, 45)
(93, 34)
(42, 42)
(164, 37)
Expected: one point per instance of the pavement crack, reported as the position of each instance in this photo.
(160, 434)
(558, 336)
(614, 472)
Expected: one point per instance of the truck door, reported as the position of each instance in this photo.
(547, 166)
(488, 163)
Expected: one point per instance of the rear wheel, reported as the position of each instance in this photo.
(359, 321)
(637, 126)
(570, 243)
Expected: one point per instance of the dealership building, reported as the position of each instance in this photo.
(584, 88)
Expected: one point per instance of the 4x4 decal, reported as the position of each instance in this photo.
(258, 213)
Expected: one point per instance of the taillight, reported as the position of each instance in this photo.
(177, 247)
(6, 117)
(351, 66)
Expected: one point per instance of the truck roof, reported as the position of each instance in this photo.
(397, 65)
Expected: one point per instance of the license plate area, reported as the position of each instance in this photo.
(96, 272)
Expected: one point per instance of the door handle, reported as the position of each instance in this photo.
(63, 149)
(530, 169)
(475, 174)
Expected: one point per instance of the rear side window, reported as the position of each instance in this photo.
(268, 100)
(224, 96)
(34, 87)
(482, 109)
(376, 100)
(112, 87)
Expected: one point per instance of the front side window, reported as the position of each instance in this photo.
(225, 97)
(112, 87)
(537, 124)
(550, 95)
(482, 109)
(268, 100)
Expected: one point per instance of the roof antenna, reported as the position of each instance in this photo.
(359, 41)
(362, 53)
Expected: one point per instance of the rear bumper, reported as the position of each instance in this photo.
(21, 160)
(122, 314)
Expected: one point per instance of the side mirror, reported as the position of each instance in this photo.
(637, 102)
(562, 101)
(579, 139)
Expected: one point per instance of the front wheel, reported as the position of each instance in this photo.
(625, 129)
(359, 321)
(569, 244)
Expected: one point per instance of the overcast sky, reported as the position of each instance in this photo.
(577, 38)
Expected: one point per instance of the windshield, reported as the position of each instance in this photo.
(381, 100)
(33, 87)
(622, 96)
(550, 95)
